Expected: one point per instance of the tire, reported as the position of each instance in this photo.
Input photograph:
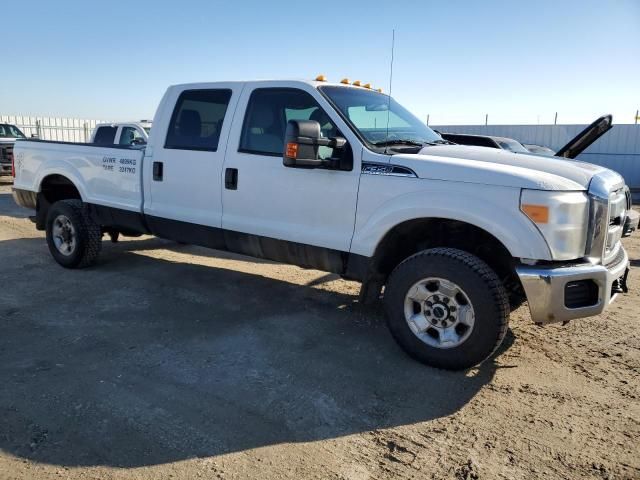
(476, 310)
(74, 239)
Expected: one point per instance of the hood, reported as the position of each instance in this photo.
(492, 166)
(586, 137)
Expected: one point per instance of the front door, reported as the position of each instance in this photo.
(309, 206)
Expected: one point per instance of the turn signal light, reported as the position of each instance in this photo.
(537, 213)
(292, 150)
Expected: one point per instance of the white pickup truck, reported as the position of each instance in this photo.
(342, 178)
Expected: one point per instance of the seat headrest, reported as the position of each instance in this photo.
(263, 117)
(190, 123)
(319, 116)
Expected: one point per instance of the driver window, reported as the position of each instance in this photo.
(268, 112)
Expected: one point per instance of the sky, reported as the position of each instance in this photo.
(454, 61)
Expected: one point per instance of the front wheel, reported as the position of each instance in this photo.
(74, 239)
(446, 308)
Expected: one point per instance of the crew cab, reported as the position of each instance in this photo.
(126, 133)
(342, 178)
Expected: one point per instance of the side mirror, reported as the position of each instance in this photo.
(302, 141)
(138, 141)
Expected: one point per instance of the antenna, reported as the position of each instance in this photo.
(393, 42)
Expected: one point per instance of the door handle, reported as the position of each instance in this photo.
(231, 179)
(157, 171)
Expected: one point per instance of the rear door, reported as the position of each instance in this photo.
(263, 197)
(183, 164)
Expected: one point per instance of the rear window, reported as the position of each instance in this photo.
(197, 120)
(105, 135)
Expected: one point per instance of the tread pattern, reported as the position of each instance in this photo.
(499, 295)
(90, 232)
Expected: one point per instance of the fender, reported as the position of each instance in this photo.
(63, 169)
(382, 206)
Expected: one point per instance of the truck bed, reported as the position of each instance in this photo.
(109, 176)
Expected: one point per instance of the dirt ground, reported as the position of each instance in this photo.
(172, 361)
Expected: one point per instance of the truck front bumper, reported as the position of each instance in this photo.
(562, 293)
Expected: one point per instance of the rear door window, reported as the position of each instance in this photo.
(197, 120)
(105, 135)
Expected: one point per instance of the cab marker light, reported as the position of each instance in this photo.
(321, 78)
(379, 90)
(345, 81)
(356, 83)
(367, 85)
(537, 213)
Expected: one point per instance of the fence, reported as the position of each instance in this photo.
(618, 149)
(53, 128)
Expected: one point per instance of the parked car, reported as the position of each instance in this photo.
(539, 149)
(127, 133)
(8, 135)
(490, 141)
(313, 174)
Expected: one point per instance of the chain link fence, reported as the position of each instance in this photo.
(54, 128)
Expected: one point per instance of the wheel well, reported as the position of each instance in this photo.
(58, 187)
(52, 189)
(413, 236)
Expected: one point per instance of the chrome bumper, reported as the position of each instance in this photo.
(545, 288)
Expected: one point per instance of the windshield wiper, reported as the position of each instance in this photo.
(389, 143)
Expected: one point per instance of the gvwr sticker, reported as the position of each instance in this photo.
(121, 165)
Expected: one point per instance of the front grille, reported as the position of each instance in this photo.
(617, 212)
(6, 152)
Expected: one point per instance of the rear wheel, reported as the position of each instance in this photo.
(74, 239)
(446, 308)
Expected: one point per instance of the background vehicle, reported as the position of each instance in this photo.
(539, 149)
(486, 141)
(127, 133)
(8, 135)
(343, 179)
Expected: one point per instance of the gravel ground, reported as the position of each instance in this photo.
(169, 360)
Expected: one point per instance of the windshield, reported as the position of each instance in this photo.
(512, 145)
(369, 112)
(10, 131)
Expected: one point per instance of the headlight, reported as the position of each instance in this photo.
(561, 217)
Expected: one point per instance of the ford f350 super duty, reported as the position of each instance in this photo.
(342, 178)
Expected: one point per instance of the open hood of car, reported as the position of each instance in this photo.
(586, 137)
